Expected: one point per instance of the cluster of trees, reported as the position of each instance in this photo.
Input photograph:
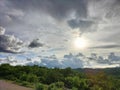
(43, 78)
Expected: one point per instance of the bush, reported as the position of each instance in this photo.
(40, 87)
(32, 78)
(29, 78)
(74, 88)
(56, 86)
(23, 77)
(24, 83)
(59, 84)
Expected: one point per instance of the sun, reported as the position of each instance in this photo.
(80, 43)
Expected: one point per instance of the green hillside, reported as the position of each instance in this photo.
(43, 78)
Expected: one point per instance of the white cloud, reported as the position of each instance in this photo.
(2, 31)
(46, 20)
(71, 60)
(9, 43)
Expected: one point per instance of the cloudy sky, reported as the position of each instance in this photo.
(60, 33)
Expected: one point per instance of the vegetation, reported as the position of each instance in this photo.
(42, 78)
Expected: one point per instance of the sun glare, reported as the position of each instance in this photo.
(80, 43)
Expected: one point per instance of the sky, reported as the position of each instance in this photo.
(60, 33)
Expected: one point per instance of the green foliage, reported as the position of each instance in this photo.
(74, 88)
(32, 78)
(76, 82)
(62, 79)
(56, 86)
(25, 83)
(59, 84)
(101, 81)
(23, 77)
(40, 87)
(29, 78)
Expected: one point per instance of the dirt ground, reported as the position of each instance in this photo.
(5, 85)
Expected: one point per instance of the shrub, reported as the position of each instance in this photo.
(74, 88)
(56, 86)
(40, 87)
(32, 78)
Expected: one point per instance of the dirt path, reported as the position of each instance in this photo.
(4, 85)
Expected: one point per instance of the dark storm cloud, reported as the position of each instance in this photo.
(8, 13)
(17, 13)
(79, 23)
(56, 8)
(84, 25)
(60, 10)
(9, 43)
(25, 15)
(35, 43)
(13, 10)
(107, 46)
(114, 10)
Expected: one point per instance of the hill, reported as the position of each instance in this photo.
(43, 78)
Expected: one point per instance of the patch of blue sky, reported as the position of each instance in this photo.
(25, 56)
(4, 55)
(56, 49)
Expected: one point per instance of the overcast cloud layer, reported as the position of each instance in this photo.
(48, 27)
